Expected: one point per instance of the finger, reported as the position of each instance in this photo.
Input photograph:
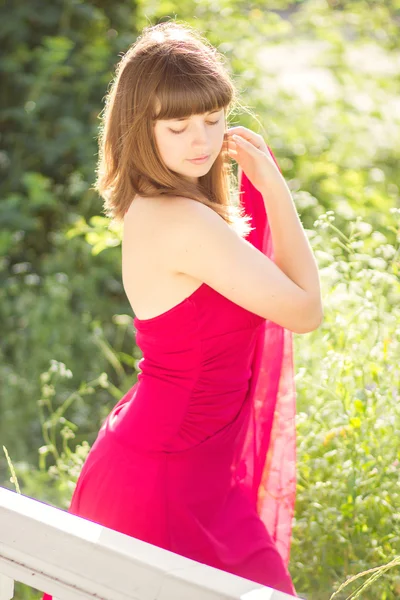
(246, 133)
(230, 150)
(232, 154)
(243, 143)
(241, 131)
(229, 146)
(254, 143)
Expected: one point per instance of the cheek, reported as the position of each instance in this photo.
(163, 140)
(174, 148)
(166, 146)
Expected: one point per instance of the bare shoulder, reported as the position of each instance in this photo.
(182, 214)
(185, 227)
(156, 207)
(141, 206)
(207, 248)
(147, 231)
(144, 223)
(163, 217)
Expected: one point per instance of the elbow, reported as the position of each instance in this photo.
(317, 323)
(315, 320)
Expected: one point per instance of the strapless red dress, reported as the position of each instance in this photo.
(198, 457)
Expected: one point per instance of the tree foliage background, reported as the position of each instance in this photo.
(67, 347)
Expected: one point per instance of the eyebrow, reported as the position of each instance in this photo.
(186, 118)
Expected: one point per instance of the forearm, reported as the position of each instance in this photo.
(292, 251)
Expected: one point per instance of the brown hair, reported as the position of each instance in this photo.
(173, 68)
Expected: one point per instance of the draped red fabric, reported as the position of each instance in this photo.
(268, 455)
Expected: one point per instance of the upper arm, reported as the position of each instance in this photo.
(204, 246)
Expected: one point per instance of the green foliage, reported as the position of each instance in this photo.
(348, 421)
(55, 298)
(61, 298)
(61, 314)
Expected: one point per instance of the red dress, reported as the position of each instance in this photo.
(198, 457)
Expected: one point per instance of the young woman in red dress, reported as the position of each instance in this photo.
(198, 457)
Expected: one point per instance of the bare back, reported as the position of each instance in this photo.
(151, 285)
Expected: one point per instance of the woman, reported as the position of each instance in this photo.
(198, 457)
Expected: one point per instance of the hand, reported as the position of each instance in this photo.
(252, 155)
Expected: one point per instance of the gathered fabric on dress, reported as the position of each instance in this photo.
(199, 456)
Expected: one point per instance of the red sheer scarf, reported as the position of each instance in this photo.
(267, 461)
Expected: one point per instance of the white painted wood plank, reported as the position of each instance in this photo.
(6, 587)
(71, 558)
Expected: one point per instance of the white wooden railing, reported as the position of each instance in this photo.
(75, 559)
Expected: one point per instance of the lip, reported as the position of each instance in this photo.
(199, 161)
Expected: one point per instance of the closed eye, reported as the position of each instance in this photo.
(208, 123)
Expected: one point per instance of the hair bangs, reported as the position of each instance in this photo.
(183, 96)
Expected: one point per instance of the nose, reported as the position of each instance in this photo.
(200, 139)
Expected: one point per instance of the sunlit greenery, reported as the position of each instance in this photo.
(323, 79)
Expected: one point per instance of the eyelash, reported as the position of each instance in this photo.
(177, 132)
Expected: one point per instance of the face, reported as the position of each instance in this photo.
(180, 140)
